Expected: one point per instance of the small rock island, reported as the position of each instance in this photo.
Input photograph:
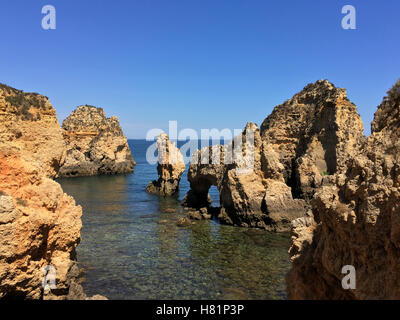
(95, 144)
(170, 168)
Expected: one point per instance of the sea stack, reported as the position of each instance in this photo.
(95, 144)
(170, 168)
(39, 224)
(356, 221)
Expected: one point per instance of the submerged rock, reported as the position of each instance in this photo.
(170, 168)
(184, 222)
(356, 221)
(95, 144)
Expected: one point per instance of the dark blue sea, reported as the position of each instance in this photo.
(131, 247)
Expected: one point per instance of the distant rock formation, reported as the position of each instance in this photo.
(39, 224)
(302, 142)
(95, 144)
(356, 221)
(170, 168)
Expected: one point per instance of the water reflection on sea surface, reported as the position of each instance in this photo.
(132, 248)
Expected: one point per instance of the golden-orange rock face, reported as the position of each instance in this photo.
(39, 224)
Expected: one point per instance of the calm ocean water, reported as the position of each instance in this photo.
(131, 247)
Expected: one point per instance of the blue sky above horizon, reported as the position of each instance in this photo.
(207, 64)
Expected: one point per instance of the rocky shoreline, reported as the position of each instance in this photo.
(310, 170)
(40, 225)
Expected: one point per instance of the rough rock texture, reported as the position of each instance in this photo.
(39, 224)
(170, 168)
(95, 144)
(28, 122)
(249, 197)
(305, 139)
(356, 221)
(314, 133)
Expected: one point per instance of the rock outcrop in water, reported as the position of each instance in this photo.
(249, 196)
(39, 224)
(170, 168)
(356, 221)
(95, 144)
(305, 139)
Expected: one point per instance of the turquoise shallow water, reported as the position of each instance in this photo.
(131, 247)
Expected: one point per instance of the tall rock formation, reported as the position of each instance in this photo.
(356, 221)
(95, 144)
(39, 224)
(170, 168)
(300, 144)
(313, 134)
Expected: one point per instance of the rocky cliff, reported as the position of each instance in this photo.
(170, 168)
(313, 135)
(28, 122)
(302, 142)
(39, 224)
(95, 144)
(356, 221)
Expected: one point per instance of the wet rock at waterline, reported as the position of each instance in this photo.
(170, 168)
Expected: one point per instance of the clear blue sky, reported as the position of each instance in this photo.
(206, 63)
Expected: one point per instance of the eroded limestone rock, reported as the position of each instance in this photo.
(356, 221)
(39, 224)
(314, 134)
(301, 144)
(95, 144)
(237, 171)
(170, 168)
